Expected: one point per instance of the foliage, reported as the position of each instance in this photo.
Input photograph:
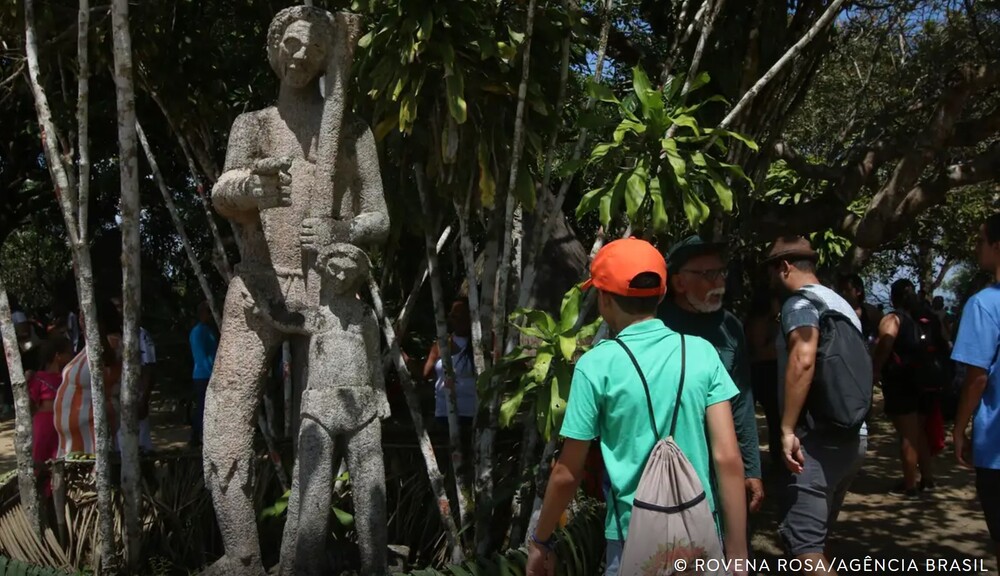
(578, 548)
(655, 124)
(544, 369)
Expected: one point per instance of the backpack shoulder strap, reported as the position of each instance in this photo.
(645, 387)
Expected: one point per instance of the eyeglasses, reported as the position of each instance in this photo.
(711, 274)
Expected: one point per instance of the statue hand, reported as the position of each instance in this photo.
(318, 233)
(384, 409)
(270, 182)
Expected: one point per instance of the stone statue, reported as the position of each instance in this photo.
(302, 183)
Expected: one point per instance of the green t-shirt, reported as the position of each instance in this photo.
(607, 401)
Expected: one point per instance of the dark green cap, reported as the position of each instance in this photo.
(688, 248)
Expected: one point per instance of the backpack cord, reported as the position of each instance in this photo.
(652, 417)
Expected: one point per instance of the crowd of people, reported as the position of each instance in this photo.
(811, 355)
(57, 370)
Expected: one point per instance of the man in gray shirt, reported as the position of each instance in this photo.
(822, 463)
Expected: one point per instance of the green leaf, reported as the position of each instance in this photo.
(594, 121)
(407, 113)
(510, 407)
(515, 37)
(567, 345)
(736, 136)
(366, 40)
(697, 105)
(601, 150)
(562, 377)
(604, 210)
(524, 188)
(635, 193)
(588, 331)
(651, 100)
(625, 127)
(569, 311)
(279, 507)
(455, 85)
(426, 26)
(601, 92)
(538, 319)
(447, 56)
(695, 210)
(698, 81)
(540, 369)
(487, 184)
(724, 193)
(507, 52)
(346, 520)
(590, 201)
(661, 223)
(687, 121)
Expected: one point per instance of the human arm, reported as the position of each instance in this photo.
(432, 358)
(371, 224)
(972, 395)
(564, 481)
(888, 331)
(802, 344)
(745, 420)
(977, 347)
(729, 473)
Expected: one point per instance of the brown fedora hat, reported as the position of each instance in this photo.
(789, 248)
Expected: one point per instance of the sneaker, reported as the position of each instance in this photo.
(927, 486)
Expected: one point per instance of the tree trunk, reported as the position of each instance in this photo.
(76, 232)
(131, 390)
(26, 486)
(178, 224)
(541, 483)
(486, 435)
(444, 347)
(423, 439)
(82, 117)
(521, 511)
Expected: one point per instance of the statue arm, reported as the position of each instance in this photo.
(373, 341)
(371, 226)
(233, 194)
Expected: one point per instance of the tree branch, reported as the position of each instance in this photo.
(972, 132)
(803, 167)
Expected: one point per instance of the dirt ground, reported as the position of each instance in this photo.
(947, 524)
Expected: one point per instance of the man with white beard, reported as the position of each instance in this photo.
(696, 272)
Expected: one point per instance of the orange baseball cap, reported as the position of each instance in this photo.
(617, 263)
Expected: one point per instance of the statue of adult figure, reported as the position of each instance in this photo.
(271, 188)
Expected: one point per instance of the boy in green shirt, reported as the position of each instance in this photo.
(607, 401)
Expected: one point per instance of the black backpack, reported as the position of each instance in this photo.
(921, 358)
(841, 392)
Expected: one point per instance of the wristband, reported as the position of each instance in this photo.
(549, 544)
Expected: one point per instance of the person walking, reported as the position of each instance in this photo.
(977, 348)
(460, 339)
(204, 341)
(908, 341)
(608, 401)
(826, 394)
(761, 332)
(694, 306)
(54, 355)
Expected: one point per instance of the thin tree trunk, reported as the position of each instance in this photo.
(541, 482)
(178, 224)
(423, 439)
(225, 267)
(131, 390)
(699, 50)
(444, 347)
(83, 118)
(548, 224)
(681, 36)
(521, 512)
(26, 486)
(469, 260)
(272, 451)
(486, 435)
(821, 24)
(403, 320)
(84, 285)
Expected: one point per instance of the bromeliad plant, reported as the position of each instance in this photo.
(661, 156)
(543, 367)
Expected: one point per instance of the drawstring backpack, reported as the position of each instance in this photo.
(672, 526)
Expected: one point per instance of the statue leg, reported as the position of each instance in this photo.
(230, 413)
(364, 460)
(306, 535)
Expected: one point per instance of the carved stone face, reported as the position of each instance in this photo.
(302, 54)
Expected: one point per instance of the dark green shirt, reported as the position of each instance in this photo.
(725, 332)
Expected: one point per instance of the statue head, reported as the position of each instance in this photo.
(345, 268)
(300, 44)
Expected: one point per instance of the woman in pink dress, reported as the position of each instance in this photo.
(42, 388)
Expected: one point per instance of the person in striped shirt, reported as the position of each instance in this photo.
(73, 409)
